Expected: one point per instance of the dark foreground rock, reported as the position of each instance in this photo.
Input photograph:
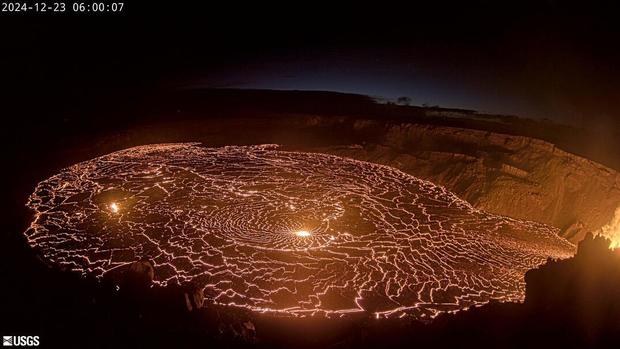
(569, 303)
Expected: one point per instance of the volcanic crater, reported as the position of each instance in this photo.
(286, 232)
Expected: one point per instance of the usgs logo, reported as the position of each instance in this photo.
(20, 341)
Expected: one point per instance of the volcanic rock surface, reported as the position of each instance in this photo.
(515, 176)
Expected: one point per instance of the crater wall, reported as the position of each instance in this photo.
(515, 176)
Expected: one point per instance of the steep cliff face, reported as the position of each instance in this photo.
(515, 176)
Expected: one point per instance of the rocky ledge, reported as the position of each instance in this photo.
(515, 176)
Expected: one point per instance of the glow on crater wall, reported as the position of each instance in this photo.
(612, 230)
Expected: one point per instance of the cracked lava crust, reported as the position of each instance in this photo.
(288, 233)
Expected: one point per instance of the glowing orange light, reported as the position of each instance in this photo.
(615, 234)
(615, 241)
(612, 230)
(303, 233)
(270, 218)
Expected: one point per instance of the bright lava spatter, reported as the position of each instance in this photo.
(286, 232)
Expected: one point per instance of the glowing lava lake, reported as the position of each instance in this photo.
(283, 232)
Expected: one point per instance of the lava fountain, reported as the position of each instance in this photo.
(283, 232)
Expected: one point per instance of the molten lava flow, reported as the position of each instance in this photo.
(286, 232)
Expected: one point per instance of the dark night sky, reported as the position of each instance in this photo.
(538, 59)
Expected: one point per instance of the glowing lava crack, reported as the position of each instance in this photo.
(287, 232)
